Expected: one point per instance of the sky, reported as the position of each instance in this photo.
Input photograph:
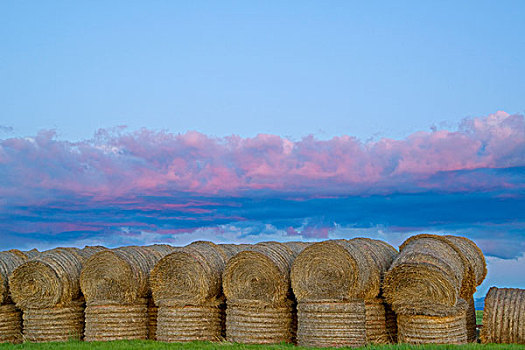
(145, 122)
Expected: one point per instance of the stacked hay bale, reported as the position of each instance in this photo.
(478, 271)
(47, 289)
(256, 283)
(424, 285)
(116, 288)
(186, 287)
(504, 316)
(10, 316)
(335, 282)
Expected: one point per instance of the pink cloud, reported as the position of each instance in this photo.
(116, 163)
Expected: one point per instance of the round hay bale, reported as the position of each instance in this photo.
(380, 254)
(190, 275)
(423, 329)
(119, 275)
(331, 324)
(51, 279)
(375, 322)
(107, 322)
(189, 323)
(334, 271)
(9, 261)
(261, 274)
(504, 316)
(10, 324)
(428, 272)
(63, 323)
(252, 323)
(473, 254)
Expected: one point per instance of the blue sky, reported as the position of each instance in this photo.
(134, 122)
(367, 69)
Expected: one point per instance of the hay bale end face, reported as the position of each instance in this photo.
(428, 271)
(334, 271)
(49, 280)
(119, 275)
(504, 316)
(260, 274)
(190, 275)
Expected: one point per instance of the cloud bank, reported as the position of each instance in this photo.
(124, 187)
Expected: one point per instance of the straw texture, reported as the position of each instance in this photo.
(331, 324)
(230, 250)
(120, 275)
(49, 280)
(260, 274)
(376, 327)
(189, 323)
(253, 323)
(106, 322)
(62, 323)
(9, 261)
(427, 274)
(340, 270)
(191, 275)
(10, 324)
(504, 316)
(422, 329)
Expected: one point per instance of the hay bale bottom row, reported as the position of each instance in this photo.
(420, 329)
(254, 324)
(116, 322)
(10, 324)
(331, 324)
(54, 324)
(189, 323)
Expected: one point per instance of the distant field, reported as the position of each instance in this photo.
(122, 345)
(479, 317)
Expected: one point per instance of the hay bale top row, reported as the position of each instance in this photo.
(198, 273)
(9, 261)
(261, 273)
(120, 275)
(341, 270)
(433, 272)
(49, 279)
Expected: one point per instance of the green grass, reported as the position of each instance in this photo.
(479, 316)
(122, 345)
